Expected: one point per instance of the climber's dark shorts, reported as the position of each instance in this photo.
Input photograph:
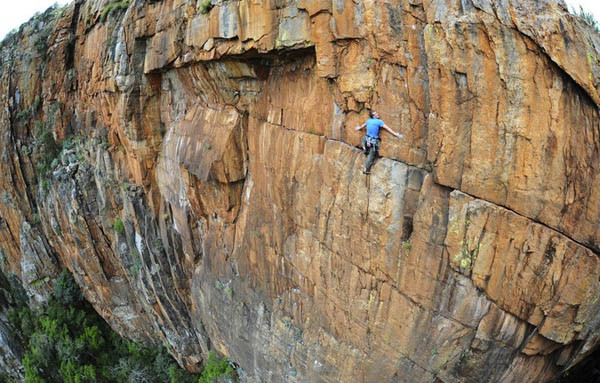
(370, 147)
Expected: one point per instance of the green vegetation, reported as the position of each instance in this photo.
(215, 368)
(47, 154)
(465, 257)
(119, 226)
(41, 45)
(39, 126)
(157, 246)
(6, 379)
(23, 115)
(66, 341)
(298, 335)
(588, 17)
(113, 7)
(56, 12)
(136, 266)
(49, 18)
(26, 150)
(45, 147)
(69, 143)
(204, 6)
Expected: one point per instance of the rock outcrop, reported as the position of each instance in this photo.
(198, 171)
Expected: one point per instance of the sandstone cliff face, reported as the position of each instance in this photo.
(224, 143)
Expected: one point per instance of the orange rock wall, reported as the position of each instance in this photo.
(225, 144)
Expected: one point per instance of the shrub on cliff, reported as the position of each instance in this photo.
(204, 6)
(215, 369)
(119, 226)
(67, 341)
(588, 17)
(45, 149)
(113, 7)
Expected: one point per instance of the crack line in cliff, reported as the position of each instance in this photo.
(534, 220)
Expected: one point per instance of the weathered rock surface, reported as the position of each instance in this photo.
(205, 186)
(11, 349)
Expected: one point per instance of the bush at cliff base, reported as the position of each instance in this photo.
(67, 341)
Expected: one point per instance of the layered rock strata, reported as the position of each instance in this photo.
(199, 174)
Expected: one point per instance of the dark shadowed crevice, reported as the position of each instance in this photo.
(70, 48)
(586, 371)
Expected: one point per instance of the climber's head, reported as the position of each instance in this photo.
(374, 114)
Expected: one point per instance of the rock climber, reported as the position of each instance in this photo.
(371, 141)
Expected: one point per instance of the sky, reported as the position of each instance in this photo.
(13, 13)
(19, 11)
(592, 6)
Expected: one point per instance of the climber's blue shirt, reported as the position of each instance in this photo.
(373, 126)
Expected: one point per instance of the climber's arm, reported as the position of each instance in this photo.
(360, 127)
(391, 131)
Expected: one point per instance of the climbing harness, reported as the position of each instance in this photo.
(372, 142)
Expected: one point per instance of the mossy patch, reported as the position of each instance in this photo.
(120, 5)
